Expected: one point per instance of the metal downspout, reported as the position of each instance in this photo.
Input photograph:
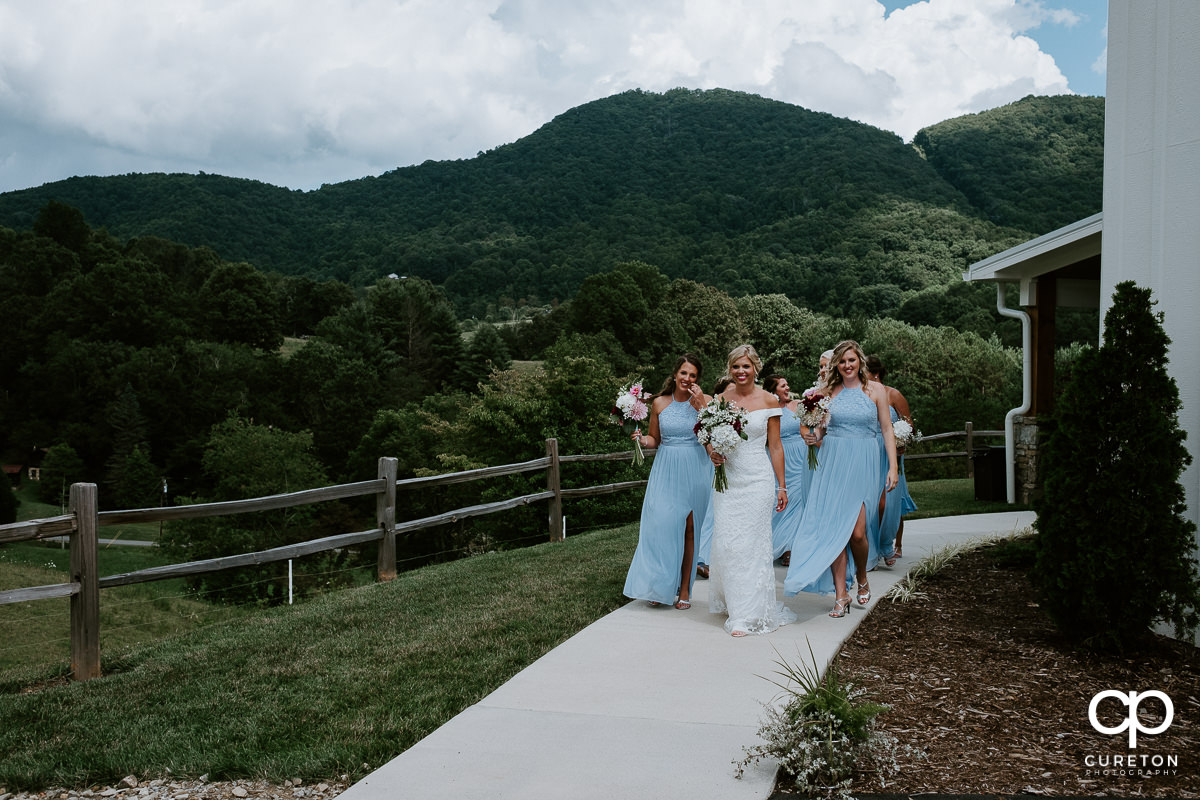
(1026, 390)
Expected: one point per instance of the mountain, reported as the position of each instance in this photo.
(1037, 164)
(745, 193)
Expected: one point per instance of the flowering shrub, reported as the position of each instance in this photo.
(823, 733)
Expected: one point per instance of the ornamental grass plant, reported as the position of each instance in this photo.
(823, 734)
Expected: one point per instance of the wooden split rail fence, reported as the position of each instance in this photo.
(82, 524)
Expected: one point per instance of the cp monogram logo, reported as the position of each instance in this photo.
(1132, 724)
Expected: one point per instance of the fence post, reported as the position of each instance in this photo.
(554, 484)
(385, 515)
(85, 604)
(970, 450)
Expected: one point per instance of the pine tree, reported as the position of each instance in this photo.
(1115, 553)
(61, 467)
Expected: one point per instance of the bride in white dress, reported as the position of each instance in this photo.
(742, 573)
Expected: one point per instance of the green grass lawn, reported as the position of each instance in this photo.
(950, 497)
(313, 690)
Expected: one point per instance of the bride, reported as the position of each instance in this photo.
(742, 574)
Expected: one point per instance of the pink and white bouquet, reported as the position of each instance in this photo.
(905, 433)
(814, 412)
(630, 411)
(722, 425)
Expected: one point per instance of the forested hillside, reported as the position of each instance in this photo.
(742, 193)
(1037, 164)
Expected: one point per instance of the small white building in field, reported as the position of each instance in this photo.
(1148, 231)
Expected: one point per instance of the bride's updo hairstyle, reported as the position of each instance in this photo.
(743, 351)
(668, 386)
(834, 376)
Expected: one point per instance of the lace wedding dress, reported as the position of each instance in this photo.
(743, 578)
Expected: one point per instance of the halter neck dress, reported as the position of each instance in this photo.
(680, 483)
(847, 480)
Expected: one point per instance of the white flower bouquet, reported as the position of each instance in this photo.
(905, 433)
(722, 425)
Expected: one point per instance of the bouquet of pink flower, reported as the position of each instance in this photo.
(722, 425)
(814, 412)
(629, 412)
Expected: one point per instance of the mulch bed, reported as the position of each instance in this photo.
(979, 679)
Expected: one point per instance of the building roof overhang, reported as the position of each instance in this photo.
(1060, 248)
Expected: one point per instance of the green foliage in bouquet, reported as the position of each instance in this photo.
(1115, 552)
(823, 734)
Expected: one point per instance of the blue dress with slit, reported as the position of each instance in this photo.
(847, 481)
(680, 484)
(899, 503)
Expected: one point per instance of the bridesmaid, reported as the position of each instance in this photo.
(844, 498)
(899, 502)
(706, 528)
(795, 464)
(677, 493)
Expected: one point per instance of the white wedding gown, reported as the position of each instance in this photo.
(742, 582)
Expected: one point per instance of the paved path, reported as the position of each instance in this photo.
(644, 703)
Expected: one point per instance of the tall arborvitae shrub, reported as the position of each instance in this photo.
(1115, 553)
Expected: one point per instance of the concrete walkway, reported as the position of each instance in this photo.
(644, 703)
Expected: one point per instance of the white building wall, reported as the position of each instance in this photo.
(1152, 183)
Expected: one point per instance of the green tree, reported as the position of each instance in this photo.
(243, 460)
(947, 377)
(710, 320)
(788, 338)
(416, 322)
(61, 467)
(1115, 551)
(130, 432)
(136, 482)
(238, 306)
(64, 224)
(486, 353)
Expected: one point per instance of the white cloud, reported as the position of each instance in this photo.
(300, 92)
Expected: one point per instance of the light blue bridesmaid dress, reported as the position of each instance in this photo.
(795, 467)
(847, 480)
(899, 503)
(680, 484)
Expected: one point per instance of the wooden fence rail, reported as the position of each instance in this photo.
(81, 525)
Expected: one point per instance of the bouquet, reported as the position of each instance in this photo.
(905, 433)
(722, 425)
(814, 412)
(629, 412)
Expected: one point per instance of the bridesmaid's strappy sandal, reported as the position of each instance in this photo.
(841, 607)
(683, 605)
(864, 594)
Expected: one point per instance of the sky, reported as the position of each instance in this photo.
(300, 93)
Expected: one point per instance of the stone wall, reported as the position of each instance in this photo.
(1025, 453)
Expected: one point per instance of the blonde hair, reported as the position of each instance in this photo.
(743, 351)
(834, 376)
